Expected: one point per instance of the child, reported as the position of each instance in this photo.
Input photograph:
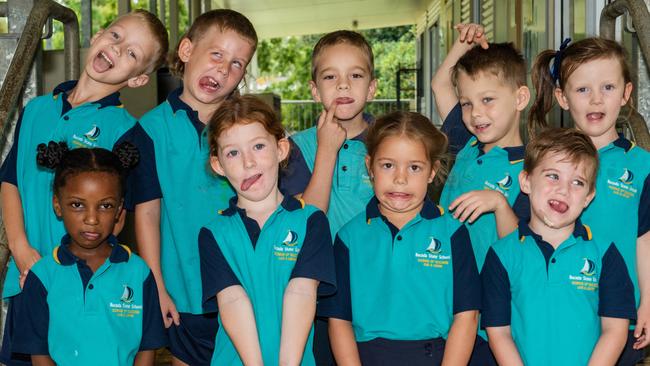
(265, 270)
(408, 284)
(91, 302)
(591, 79)
(173, 191)
(551, 294)
(84, 113)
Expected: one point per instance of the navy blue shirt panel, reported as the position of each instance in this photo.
(154, 335)
(455, 129)
(316, 259)
(521, 207)
(467, 283)
(8, 171)
(496, 292)
(295, 177)
(143, 184)
(33, 314)
(339, 306)
(615, 288)
(644, 208)
(216, 273)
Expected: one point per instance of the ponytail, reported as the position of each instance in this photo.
(544, 89)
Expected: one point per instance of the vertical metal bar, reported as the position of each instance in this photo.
(206, 6)
(86, 22)
(123, 6)
(153, 7)
(163, 12)
(173, 22)
(195, 9)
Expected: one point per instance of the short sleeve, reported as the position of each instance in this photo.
(521, 207)
(153, 328)
(316, 257)
(467, 283)
(216, 273)
(142, 183)
(339, 305)
(644, 208)
(496, 292)
(615, 289)
(455, 130)
(33, 315)
(8, 171)
(295, 177)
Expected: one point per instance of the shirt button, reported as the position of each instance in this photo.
(553, 260)
(479, 162)
(344, 168)
(91, 286)
(66, 118)
(345, 146)
(399, 237)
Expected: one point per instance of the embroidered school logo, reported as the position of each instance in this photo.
(435, 246)
(127, 295)
(588, 268)
(505, 183)
(627, 177)
(291, 239)
(93, 134)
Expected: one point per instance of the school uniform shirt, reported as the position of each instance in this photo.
(474, 169)
(620, 211)
(174, 167)
(294, 242)
(402, 284)
(351, 186)
(78, 317)
(48, 118)
(553, 299)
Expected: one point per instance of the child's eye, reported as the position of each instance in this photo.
(106, 206)
(115, 35)
(610, 87)
(132, 54)
(581, 90)
(357, 76)
(232, 153)
(552, 176)
(76, 205)
(328, 77)
(487, 100)
(465, 104)
(579, 183)
(216, 54)
(415, 168)
(237, 64)
(258, 146)
(387, 165)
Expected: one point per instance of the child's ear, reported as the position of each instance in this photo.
(434, 170)
(561, 99)
(314, 91)
(523, 97)
(372, 88)
(57, 206)
(590, 197)
(368, 166)
(627, 93)
(524, 182)
(283, 148)
(216, 165)
(185, 49)
(138, 81)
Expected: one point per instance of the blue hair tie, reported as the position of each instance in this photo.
(557, 60)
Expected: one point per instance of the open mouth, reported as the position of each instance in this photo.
(595, 116)
(558, 206)
(209, 84)
(344, 100)
(248, 182)
(481, 128)
(398, 195)
(102, 62)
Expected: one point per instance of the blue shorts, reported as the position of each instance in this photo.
(380, 352)
(8, 357)
(482, 355)
(321, 346)
(192, 341)
(630, 356)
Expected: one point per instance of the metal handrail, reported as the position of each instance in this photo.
(638, 10)
(28, 45)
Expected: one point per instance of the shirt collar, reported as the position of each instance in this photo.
(64, 256)
(515, 153)
(369, 119)
(622, 142)
(429, 210)
(107, 101)
(177, 104)
(288, 203)
(579, 231)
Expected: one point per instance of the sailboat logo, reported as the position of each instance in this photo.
(627, 177)
(127, 295)
(93, 134)
(505, 183)
(435, 246)
(588, 268)
(291, 239)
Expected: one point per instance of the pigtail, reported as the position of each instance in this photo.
(51, 155)
(128, 155)
(544, 89)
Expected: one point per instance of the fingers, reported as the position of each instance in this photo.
(175, 316)
(641, 334)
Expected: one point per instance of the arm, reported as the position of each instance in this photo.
(298, 311)
(471, 205)
(503, 346)
(460, 341)
(147, 230)
(642, 329)
(42, 360)
(238, 321)
(611, 342)
(12, 214)
(330, 139)
(344, 345)
(145, 358)
(442, 84)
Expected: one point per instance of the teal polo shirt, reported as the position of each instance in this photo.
(620, 211)
(553, 298)
(402, 284)
(174, 167)
(351, 186)
(78, 317)
(294, 242)
(51, 118)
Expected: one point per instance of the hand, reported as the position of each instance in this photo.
(25, 257)
(22, 278)
(331, 134)
(472, 34)
(642, 328)
(168, 309)
(469, 206)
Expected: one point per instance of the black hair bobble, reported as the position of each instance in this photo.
(51, 155)
(128, 154)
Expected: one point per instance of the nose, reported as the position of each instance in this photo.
(116, 49)
(596, 97)
(563, 188)
(476, 111)
(249, 160)
(91, 217)
(222, 67)
(343, 84)
(400, 177)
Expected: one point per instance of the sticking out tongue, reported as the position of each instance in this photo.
(208, 83)
(248, 182)
(101, 62)
(595, 116)
(558, 206)
(344, 100)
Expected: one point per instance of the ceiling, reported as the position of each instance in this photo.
(278, 18)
